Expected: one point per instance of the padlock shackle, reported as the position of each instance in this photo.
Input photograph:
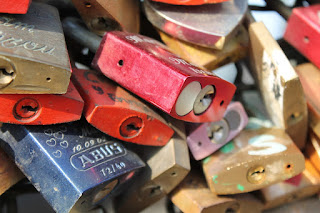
(74, 29)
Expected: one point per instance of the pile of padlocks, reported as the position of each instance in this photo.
(148, 99)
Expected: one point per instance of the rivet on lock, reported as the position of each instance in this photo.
(166, 168)
(33, 54)
(299, 187)
(189, 94)
(116, 112)
(209, 58)
(279, 84)
(205, 139)
(14, 7)
(106, 15)
(73, 165)
(190, 2)
(253, 160)
(41, 109)
(201, 25)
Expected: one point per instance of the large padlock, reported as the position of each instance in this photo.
(41, 109)
(206, 138)
(14, 7)
(33, 54)
(306, 39)
(253, 160)
(106, 15)
(73, 165)
(299, 187)
(279, 84)
(116, 112)
(158, 76)
(209, 58)
(190, 2)
(202, 25)
(166, 168)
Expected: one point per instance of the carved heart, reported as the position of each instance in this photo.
(57, 154)
(64, 144)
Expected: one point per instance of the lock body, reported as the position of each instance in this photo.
(161, 78)
(14, 7)
(313, 150)
(253, 160)
(305, 40)
(106, 15)
(190, 2)
(72, 160)
(279, 84)
(33, 54)
(207, 138)
(187, 23)
(116, 112)
(166, 168)
(209, 58)
(41, 109)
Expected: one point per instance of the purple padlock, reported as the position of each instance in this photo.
(205, 139)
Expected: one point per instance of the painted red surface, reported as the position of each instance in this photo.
(190, 2)
(14, 6)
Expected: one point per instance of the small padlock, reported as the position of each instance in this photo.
(253, 160)
(33, 54)
(299, 187)
(73, 165)
(190, 2)
(41, 109)
(116, 112)
(312, 150)
(106, 15)
(306, 39)
(210, 25)
(14, 7)
(206, 138)
(166, 168)
(209, 58)
(279, 84)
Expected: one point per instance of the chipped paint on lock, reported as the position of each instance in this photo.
(240, 187)
(229, 147)
(214, 179)
(268, 142)
(206, 160)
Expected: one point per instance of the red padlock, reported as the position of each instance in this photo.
(41, 109)
(116, 112)
(14, 6)
(190, 2)
(145, 67)
(303, 31)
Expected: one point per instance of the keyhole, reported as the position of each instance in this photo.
(131, 127)
(6, 77)
(29, 108)
(256, 175)
(203, 100)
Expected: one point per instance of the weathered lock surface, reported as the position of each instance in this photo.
(33, 55)
(312, 150)
(208, 58)
(73, 165)
(209, 25)
(41, 109)
(166, 168)
(15, 7)
(248, 203)
(301, 186)
(279, 84)
(253, 160)
(306, 39)
(106, 15)
(190, 2)
(115, 111)
(206, 138)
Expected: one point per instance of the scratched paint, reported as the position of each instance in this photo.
(268, 143)
(206, 160)
(229, 147)
(240, 187)
(214, 179)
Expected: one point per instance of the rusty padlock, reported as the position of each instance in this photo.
(190, 2)
(41, 109)
(206, 138)
(116, 112)
(253, 160)
(14, 7)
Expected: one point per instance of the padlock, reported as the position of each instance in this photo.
(166, 168)
(279, 84)
(33, 54)
(312, 150)
(253, 160)
(305, 40)
(73, 165)
(202, 25)
(209, 58)
(206, 138)
(190, 2)
(299, 187)
(116, 112)
(248, 203)
(14, 7)
(41, 109)
(106, 15)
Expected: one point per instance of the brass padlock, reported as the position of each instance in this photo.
(253, 160)
(166, 168)
(106, 15)
(33, 54)
(279, 84)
